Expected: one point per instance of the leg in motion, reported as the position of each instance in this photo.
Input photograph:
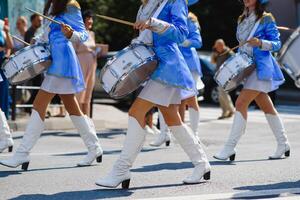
(6, 141)
(135, 137)
(194, 114)
(283, 147)
(33, 132)
(238, 126)
(187, 140)
(86, 129)
(164, 136)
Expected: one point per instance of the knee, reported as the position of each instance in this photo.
(241, 104)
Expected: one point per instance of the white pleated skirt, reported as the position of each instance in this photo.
(265, 86)
(58, 85)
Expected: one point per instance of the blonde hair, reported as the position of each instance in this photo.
(23, 20)
(144, 2)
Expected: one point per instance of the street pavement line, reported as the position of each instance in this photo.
(282, 194)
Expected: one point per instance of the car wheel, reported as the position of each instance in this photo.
(214, 95)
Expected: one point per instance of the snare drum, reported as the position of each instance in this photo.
(127, 70)
(27, 63)
(234, 70)
(289, 57)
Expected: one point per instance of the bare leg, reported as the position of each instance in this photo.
(41, 102)
(245, 98)
(71, 104)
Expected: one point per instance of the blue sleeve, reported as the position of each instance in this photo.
(194, 37)
(74, 19)
(177, 30)
(271, 39)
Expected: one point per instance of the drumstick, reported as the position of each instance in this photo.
(284, 28)
(44, 16)
(116, 20)
(18, 39)
(234, 48)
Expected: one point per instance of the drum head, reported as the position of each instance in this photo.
(131, 81)
(29, 72)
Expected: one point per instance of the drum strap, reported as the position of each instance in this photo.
(254, 29)
(146, 35)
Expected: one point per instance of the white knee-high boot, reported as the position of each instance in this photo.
(87, 131)
(194, 120)
(187, 140)
(283, 146)
(237, 130)
(164, 136)
(33, 132)
(6, 140)
(133, 144)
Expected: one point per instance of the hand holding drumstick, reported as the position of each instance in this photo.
(67, 30)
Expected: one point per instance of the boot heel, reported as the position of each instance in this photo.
(206, 176)
(167, 143)
(10, 149)
(125, 184)
(232, 157)
(287, 153)
(99, 159)
(25, 166)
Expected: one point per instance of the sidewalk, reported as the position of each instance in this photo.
(105, 117)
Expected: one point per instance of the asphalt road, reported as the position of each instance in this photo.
(158, 172)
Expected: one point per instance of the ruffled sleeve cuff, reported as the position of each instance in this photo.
(76, 37)
(266, 45)
(158, 26)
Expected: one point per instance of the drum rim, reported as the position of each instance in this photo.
(22, 69)
(11, 57)
(287, 44)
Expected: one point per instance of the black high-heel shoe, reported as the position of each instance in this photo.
(125, 184)
(206, 176)
(232, 157)
(25, 166)
(10, 149)
(287, 153)
(168, 143)
(99, 159)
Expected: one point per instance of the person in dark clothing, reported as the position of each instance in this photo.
(36, 23)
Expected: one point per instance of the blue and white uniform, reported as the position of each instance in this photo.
(189, 52)
(172, 73)
(64, 76)
(267, 76)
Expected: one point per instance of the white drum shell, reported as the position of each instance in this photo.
(289, 57)
(121, 65)
(231, 68)
(19, 64)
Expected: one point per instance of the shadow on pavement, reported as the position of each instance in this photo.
(164, 166)
(86, 195)
(8, 173)
(282, 185)
(105, 152)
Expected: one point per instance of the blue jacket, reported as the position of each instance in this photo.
(266, 65)
(188, 48)
(172, 68)
(64, 59)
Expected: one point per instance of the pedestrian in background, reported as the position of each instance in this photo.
(220, 54)
(87, 53)
(21, 26)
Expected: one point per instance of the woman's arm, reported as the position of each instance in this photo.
(194, 38)
(271, 41)
(8, 41)
(176, 30)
